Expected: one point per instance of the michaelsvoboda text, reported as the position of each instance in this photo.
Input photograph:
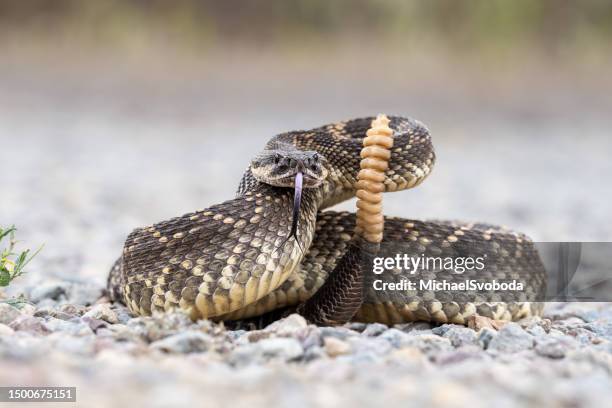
(457, 265)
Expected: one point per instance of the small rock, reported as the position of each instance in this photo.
(51, 312)
(554, 347)
(469, 352)
(120, 332)
(75, 328)
(26, 309)
(73, 310)
(568, 310)
(461, 336)
(43, 312)
(123, 314)
(369, 348)
(374, 329)
(429, 344)
(157, 327)
(51, 290)
(84, 294)
(356, 326)
(282, 347)
(511, 339)
(94, 324)
(341, 333)
(104, 312)
(442, 329)
(29, 324)
(592, 357)
(335, 347)
(79, 346)
(8, 313)
(485, 335)
(409, 356)
(185, 342)
(24, 348)
(234, 335)
(257, 335)
(288, 326)
(314, 353)
(601, 328)
(5, 330)
(395, 337)
(311, 337)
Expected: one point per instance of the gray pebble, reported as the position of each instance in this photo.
(395, 337)
(601, 328)
(554, 347)
(104, 312)
(374, 329)
(311, 337)
(536, 331)
(6, 330)
(288, 326)
(84, 294)
(429, 344)
(356, 326)
(461, 336)
(123, 314)
(185, 342)
(314, 353)
(279, 348)
(73, 310)
(511, 339)
(8, 313)
(341, 333)
(51, 290)
(485, 335)
(442, 329)
(25, 348)
(30, 324)
(83, 345)
(73, 327)
(461, 354)
(369, 348)
(285, 348)
(335, 347)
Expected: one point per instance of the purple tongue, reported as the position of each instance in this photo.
(297, 201)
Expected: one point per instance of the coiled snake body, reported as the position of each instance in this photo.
(245, 257)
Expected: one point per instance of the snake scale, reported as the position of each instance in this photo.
(255, 254)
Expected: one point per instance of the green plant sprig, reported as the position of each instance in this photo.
(12, 264)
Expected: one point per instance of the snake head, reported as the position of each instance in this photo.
(280, 167)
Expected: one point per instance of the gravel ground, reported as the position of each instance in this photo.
(78, 178)
(564, 359)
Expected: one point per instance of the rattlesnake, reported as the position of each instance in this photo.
(245, 257)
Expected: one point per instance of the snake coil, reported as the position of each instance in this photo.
(233, 260)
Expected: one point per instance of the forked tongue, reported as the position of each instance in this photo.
(297, 201)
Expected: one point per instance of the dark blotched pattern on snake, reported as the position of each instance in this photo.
(233, 260)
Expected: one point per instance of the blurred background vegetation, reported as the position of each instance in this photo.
(497, 28)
